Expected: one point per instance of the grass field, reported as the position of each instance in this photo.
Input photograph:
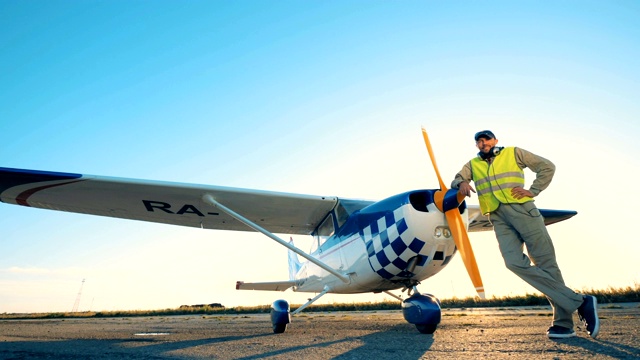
(607, 296)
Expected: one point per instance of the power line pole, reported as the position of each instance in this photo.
(77, 303)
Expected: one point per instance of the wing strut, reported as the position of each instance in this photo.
(208, 198)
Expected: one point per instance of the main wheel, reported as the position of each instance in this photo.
(279, 328)
(280, 316)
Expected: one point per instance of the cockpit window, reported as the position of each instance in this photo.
(341, 215)
(325, 230)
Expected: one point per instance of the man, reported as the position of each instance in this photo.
(499, 179)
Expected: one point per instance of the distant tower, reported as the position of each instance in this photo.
(77, 303)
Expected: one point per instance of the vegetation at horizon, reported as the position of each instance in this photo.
(608, 296)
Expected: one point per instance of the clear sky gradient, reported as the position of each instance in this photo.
(312, 97)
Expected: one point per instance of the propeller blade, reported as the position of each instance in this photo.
(433, 159)
(461, 238)
(456, 225)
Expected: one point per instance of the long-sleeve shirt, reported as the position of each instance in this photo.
(543, 168)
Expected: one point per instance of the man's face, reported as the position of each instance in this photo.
(484, 144)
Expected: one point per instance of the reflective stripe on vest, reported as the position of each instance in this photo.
(495, 181)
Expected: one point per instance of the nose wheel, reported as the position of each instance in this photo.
(426, 328)
(422, 310)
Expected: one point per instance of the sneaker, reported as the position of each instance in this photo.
(588, 314)
(560, 332)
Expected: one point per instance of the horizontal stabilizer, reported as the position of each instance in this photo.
(481, 222)
(266, 286)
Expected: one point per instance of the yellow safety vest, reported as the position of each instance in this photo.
(495, 181)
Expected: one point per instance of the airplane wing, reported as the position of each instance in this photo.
(163, 202)
(181, 204)
(267, 286)
(481, 222)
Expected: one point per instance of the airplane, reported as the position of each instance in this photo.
(359, 246)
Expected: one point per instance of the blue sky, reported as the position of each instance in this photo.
(313, 97)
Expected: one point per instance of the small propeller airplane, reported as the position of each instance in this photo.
(359, 246)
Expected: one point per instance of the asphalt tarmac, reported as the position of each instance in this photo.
(513, 333)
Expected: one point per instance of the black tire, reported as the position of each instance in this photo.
(279, 328)
(426, 328)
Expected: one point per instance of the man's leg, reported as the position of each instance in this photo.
(514, 226)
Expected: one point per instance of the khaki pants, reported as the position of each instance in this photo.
(516, 225)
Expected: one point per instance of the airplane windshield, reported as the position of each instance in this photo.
(323, 232)
(341, 215)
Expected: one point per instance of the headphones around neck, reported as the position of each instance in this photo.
(495, 151)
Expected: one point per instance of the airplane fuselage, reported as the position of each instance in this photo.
(390, 244)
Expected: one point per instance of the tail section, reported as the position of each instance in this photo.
(294, 263)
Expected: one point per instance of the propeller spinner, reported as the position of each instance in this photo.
(448, 201)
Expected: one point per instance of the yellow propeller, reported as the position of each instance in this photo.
(456, 225)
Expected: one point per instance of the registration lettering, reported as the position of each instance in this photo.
(153, 205)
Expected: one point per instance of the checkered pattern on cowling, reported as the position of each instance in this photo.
(390, 247)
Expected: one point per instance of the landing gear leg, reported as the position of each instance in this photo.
(311, 301)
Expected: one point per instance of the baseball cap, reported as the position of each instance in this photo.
(484, 133)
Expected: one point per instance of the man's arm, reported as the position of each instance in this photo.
(543, 168)
(462, 181)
